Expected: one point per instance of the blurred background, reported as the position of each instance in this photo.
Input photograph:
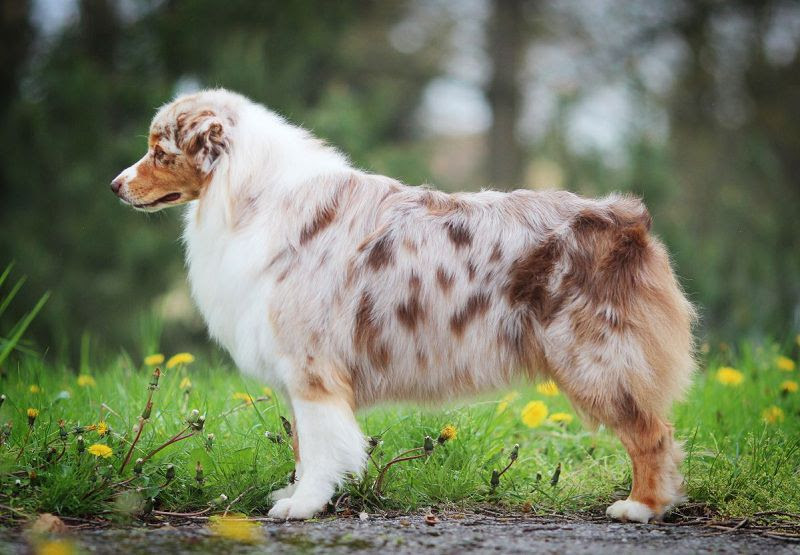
(694, 105)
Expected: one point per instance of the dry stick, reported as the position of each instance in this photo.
(397, 459)
(777, 513)
(174, 439)
(24, 443)
(228, 508)
(244, 405)
(13, 510)
(135, 440)
(165, 513)
(507, 467)
(148, 406)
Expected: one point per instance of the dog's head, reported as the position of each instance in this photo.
(187, 139)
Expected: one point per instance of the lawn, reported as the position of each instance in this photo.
(67, 434)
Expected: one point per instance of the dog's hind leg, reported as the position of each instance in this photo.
(330, 442)
(648, 438)
(657, 481)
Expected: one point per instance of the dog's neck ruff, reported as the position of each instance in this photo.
(245, 215)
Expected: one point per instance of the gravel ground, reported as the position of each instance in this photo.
(455, 533)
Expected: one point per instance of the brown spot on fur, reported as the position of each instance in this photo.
(445, 279)
(438, 203)
(381, 253)
(422, 359)
(411, 312)
(409, 245)
(477, 304)
(316, 387)
(497, 253)
(367, 334)
(414, 282)
(322, 219)
(459, 234)
(471, 270)
(529, 278)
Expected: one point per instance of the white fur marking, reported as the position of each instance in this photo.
(628, 510)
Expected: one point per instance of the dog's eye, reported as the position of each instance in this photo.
(158, 153)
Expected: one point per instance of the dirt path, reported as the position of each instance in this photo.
(474, 533)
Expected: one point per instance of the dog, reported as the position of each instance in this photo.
(345, 289)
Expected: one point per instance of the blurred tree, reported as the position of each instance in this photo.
(507, 41)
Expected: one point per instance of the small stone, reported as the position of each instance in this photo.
(48, 523)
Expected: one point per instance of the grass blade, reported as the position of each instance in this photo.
(14, 339)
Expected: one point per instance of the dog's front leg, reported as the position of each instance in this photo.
(331, 445)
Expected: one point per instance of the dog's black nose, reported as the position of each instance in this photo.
(115, 185)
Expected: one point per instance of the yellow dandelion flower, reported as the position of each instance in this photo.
(534, 413)
(186, 383)
(729, 376)
(55, 547)
(35, 389)
(448, 432)
(32, 414)
(267, 391)
(100, 450)
(784, 363)
(773, 415)
(180, 358)
(548, 388)
(85, 380)
(153, 360)
(235, 527)
(564, 417)
(507, 399)
(789, 386)
(102, 428)
(239, 396)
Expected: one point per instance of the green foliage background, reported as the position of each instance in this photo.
(75, 106)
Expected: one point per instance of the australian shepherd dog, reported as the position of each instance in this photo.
(344, 289)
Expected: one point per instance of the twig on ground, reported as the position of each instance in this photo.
(236, 500)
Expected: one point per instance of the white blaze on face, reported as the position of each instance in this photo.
(125, 177)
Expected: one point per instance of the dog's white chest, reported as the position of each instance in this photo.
(232, 293)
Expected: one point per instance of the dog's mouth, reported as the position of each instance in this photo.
(171, 197)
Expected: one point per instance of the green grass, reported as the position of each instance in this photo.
(737, 463)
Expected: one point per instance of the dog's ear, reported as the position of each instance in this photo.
(201, 136)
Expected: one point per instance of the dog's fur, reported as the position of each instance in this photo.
(345, 289)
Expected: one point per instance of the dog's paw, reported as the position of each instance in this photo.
(282, 493)
(296, 508)
(628, 510)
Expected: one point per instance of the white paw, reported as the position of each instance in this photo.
(627, 510)
(296, 508)
(282, 493)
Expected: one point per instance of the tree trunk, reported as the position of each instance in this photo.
(506, 44)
